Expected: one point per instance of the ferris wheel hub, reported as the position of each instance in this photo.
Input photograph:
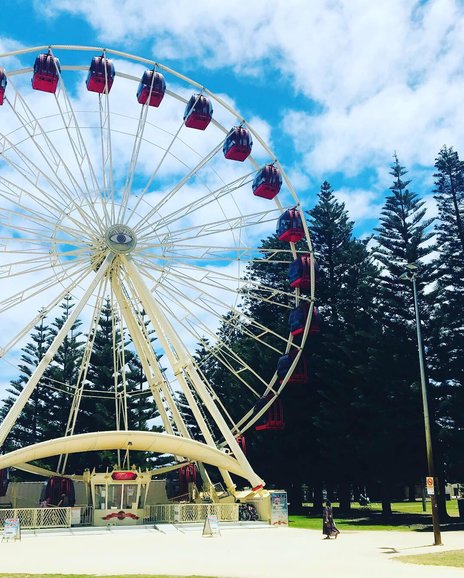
(120, 238)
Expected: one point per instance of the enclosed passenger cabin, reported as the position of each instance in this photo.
(300, 373)
(56, 488)
(290, 226)
(299, 315)
(101, 75)
(241, 442)
(273, 418)
(198, 112)
(267, 182)
(238, 144)
(299, 272)
(3, 83)
(4, 480)
(153, 85)
(119, 497)
(46, 73)
(177, 481)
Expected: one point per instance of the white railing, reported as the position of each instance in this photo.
(38, 517)
(184, 513)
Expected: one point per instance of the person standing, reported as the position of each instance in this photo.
(329, 528)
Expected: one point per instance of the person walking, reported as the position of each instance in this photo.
(329, 528)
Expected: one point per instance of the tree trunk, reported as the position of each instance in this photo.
(386, 499)
(317, 499)
(345, 497)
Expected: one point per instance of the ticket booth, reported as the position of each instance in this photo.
(119, 497)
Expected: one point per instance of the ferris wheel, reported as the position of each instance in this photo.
(124, 180)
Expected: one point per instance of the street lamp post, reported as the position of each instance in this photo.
(411, 275)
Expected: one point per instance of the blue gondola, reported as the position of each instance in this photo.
(300, 373)
(290, 226)
(198, 112)
(299, 315)
(3, 83)
(238, 144)
(267, 182)
(273, 418)
(101, 75)
(46, 73)
(154, 81)
(299, 272)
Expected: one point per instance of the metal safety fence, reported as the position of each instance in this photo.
(38, 517)
(185, 513)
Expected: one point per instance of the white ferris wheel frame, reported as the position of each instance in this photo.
(127, 278)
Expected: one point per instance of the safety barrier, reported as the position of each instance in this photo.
(185, 513)
(38, 517)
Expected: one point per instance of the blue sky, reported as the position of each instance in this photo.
(341, 84)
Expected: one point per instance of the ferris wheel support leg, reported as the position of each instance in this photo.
(152, 371)
(184, 361)
(147, 301)
(26, 393)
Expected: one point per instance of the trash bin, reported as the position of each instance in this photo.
(461, 508)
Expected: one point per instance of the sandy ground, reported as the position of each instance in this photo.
(245, 553)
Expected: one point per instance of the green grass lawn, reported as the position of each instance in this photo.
(405, 516)
(454, 558)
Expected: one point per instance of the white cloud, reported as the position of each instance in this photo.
(384, 75)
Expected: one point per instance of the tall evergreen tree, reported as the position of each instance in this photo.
(346, 292)
(447, 369)
(30, 427)
(403, 237)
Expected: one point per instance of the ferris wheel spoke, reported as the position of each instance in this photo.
(43, 286)
(213, 305)
(133, 162)
(49, 154)
(234, 222)
(145, 222)
(33, 175)
(227, 353)
(106, 150)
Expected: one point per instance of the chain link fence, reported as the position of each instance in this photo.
(38, 517)
(185, 513)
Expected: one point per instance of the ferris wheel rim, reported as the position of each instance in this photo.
(272, 387)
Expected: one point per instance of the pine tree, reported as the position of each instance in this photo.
(346, 293)
(447, 367)
(30, 426)
(403, 237)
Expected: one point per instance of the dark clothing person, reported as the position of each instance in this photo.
(328, 525)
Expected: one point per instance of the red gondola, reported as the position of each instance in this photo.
(177, 481)
(154, 81)
(267, 182)
(299, 272)
(241, 442)
(55, 488)
(273, 418)
(46, 73)
(101, 75)
(4, 480)
(198, 112)
(297, 319)
(300, 373)
(238, 144)
(290, 226)
(3, 83)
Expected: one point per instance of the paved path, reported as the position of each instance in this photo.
(236, 553)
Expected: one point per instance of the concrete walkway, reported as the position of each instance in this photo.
(236, 553)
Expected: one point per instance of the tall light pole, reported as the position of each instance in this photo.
(411, 275)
